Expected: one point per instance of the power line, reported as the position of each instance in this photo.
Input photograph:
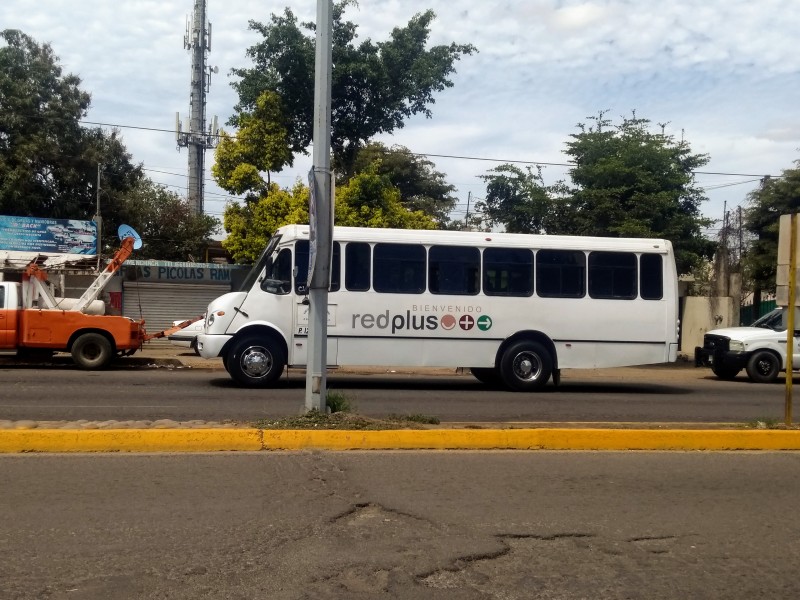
(456, 156)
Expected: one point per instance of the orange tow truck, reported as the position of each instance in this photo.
(33, 323)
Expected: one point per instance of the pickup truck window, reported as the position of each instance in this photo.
(772, 320)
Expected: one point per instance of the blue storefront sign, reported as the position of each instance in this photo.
(57, 236)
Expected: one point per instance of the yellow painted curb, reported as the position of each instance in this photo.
(210, 440)
(534, 439)
(129, 440)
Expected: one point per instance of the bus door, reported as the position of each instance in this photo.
(298, 351)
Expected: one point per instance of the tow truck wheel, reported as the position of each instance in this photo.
(256, 362)
(92, 351)
(763, 366)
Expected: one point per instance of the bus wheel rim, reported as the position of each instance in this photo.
(527, 366)
(256, 362)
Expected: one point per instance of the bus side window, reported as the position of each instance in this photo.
(507, 272)
(356, 266)
(651, 277)
(560, 273)
(612, 275)
(301, 264)
(399, 268)
(453, 270)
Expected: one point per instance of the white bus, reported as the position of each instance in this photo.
(513, 308)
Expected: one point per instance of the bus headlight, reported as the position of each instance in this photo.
(210, 320)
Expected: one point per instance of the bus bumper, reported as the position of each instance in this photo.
(210, 346)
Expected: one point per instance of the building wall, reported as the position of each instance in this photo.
(701, 314)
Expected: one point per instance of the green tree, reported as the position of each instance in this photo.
(164, 220)
(421, 187)
(260, 146)
(519, 200)
(766, 204)
(627, 182)
(48, 162)
(376, 86)
(367, 200)
(370, 200)
(250, 225)
(631, 182)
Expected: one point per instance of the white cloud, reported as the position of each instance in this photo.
(724, 71)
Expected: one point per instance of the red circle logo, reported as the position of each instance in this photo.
(466, 322)
(448, 322)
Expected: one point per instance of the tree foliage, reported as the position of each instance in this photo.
(774, 198)
(627, 182)
(250, 225)
(368, 200)
(260, 146)
(375, 86)
(519, 200)
(48, 162)
(421, 187)
(164, 220)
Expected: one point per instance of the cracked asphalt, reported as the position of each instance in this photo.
(406, 525)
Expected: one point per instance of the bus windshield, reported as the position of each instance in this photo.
(263, 261)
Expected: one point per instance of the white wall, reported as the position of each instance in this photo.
(701, 314)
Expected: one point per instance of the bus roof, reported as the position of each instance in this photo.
(482, 239)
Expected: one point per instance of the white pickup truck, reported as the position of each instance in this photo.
(760, 349)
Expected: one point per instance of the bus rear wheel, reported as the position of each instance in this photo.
(526, 366)
(486, 375)
(256, 362)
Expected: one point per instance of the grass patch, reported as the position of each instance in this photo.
(337, 402)
(345, 420)
(423, 419)
(317, 420)
(769, 423)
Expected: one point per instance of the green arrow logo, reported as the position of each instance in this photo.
(484, 323)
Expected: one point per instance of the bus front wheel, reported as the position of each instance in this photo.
(256, 362)
(526, 366)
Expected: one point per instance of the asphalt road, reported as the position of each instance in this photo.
(404, 525)
(673, 394)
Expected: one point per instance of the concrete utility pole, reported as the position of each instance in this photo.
(320, 216)
(198, 41)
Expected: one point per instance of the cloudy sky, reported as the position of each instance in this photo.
(722, 73)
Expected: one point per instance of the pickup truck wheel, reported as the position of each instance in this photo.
(526, 366)
(92, 351)
(725, 372)
(763, 366)
(256, 362)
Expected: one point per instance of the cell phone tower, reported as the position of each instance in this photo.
(192, 133)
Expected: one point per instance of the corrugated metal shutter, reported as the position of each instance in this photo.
(163, 303)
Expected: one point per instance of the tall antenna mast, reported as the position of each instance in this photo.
(192, 133)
